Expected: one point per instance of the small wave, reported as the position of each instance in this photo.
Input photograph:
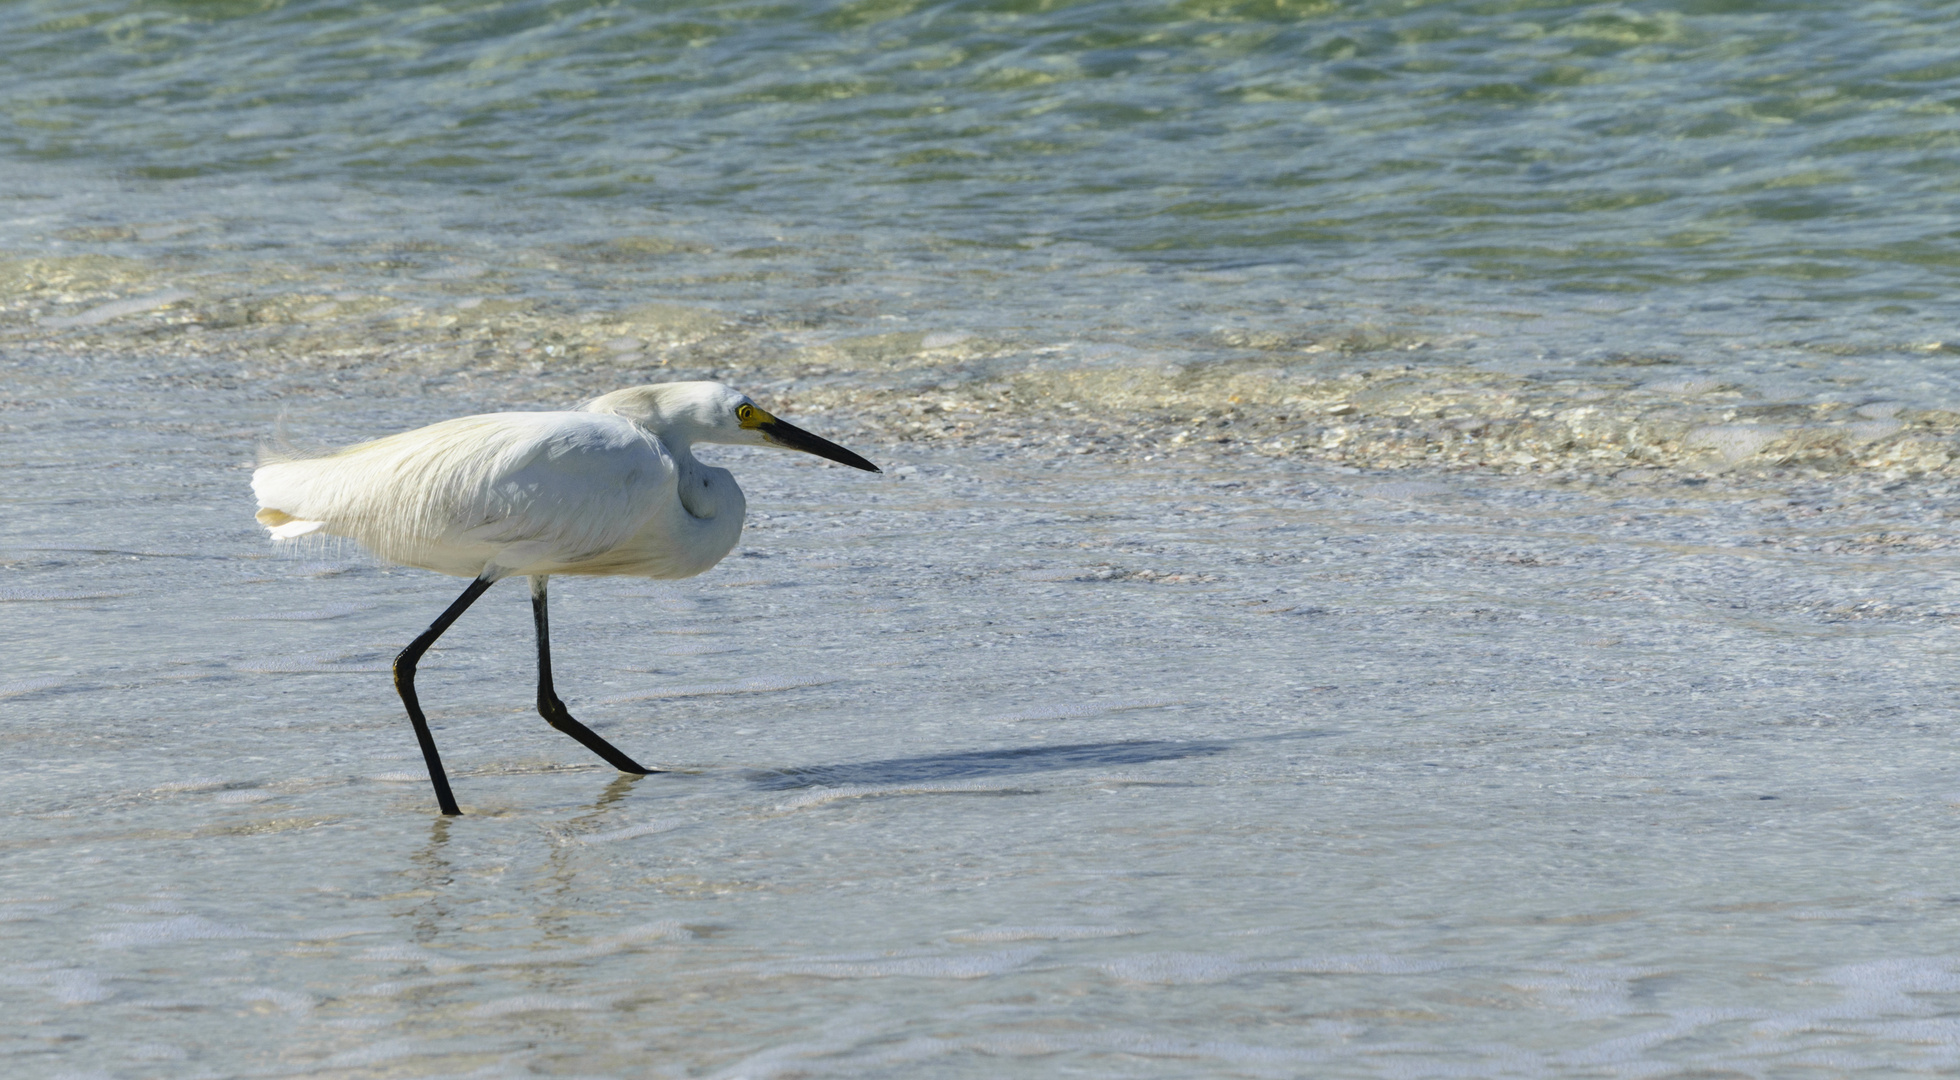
(533, 1003)
(1690, 385)
(376, 1053)
(40, 596)
(917, 966)
(663, 930)
(181, 928)
(747, 686)
(1043, 933)
(193, 784)
(68, 986)
(309, 664)
(692, 648)
(409, 954)
(304, 614)
(29, 686)
(822, 795)
(1084, 708)
(116, 309)
(290, 1002)
(1188, 969)
(650, 828)
(1407, 489)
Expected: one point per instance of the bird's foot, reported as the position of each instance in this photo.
(558, 716)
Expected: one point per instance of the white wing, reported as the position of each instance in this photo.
(504, 490)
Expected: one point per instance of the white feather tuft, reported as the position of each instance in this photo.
(292, 530)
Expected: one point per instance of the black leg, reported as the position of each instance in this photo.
(405, 686)
(552, 709)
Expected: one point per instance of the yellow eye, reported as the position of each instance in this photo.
(746, 412)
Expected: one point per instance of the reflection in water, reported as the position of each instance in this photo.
(430, 877)
(619, 788)
(563, 865)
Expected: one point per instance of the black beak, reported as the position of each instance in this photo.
(791, 437)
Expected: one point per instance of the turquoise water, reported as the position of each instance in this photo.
(1523, 182)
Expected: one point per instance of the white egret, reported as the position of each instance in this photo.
(612, 488)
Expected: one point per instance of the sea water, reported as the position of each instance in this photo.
(1415, 541)
(1755, 189)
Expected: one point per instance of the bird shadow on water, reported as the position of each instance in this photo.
(976, 764)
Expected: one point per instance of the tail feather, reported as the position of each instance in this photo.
(280, 488)
(297, 528)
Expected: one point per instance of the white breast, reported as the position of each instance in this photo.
(689, 535)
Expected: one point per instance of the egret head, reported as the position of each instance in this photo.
(713, 413)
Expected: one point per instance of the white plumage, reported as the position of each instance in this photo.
(515, 493)
(612, 488)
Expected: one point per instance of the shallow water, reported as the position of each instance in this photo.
(1751, 191)
(1417, 541)
(999, 762)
